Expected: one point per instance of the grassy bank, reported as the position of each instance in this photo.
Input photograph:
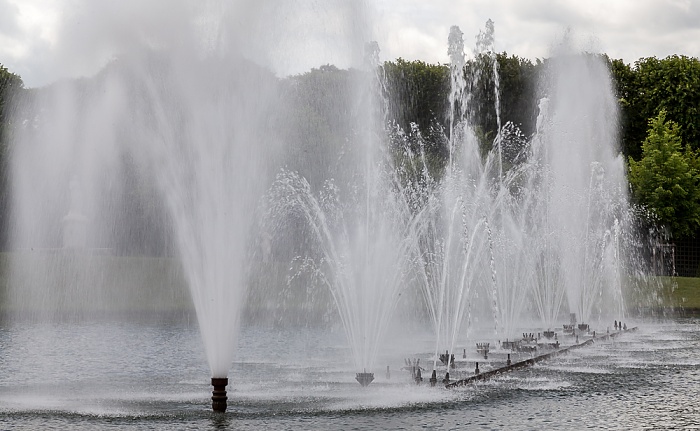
(685, 292)
(62, 285)
(71, 284)
(59, 284)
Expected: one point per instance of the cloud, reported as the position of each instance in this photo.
(43, 40)
(26, 28)
(8, 19)
(295, 35)
(289, 37)
(92, 32)
(627, 29)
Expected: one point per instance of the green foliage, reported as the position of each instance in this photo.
(518, 89)
(317, 127)
(418, 92)
(318, 123)
(671, 84)
(667, 178)
(682, 292)
(517, 93)
(11, 87)
(625, 88)
(10, 84)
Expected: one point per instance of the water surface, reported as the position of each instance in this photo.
(139, 376)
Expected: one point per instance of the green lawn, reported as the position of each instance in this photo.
(75, 282)
(78, 282)
(686, 293)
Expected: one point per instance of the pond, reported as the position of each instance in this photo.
(147, 376)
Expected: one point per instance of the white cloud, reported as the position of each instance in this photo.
(8, 18)
(627, 29)
(26, 30)
(46, 39)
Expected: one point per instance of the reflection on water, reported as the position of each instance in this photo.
(128, 375)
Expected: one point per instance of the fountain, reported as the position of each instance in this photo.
(496, 237)
(192, 110)
(365, 232)
(584, 207)
(453, 233)
(203, 126)
(364, 378)
(75, 223)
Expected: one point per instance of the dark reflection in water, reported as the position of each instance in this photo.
(128, 376)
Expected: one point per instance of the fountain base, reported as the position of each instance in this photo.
(218, 397)
(510, 366)
(364, 378)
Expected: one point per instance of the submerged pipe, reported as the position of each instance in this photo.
(218, 396)
(527, 362)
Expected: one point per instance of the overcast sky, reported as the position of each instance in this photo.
(43, 40)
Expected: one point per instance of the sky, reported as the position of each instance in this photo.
(45, 40)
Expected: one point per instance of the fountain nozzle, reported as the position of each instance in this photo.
(364, 378)
(433, 378)
(218, 396)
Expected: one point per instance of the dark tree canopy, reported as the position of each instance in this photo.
(671, 84)
(419, 93)
(517, 91)
(319, 124)
(11, 88)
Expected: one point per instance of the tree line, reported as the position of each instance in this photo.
(659, 131)
(659, 102)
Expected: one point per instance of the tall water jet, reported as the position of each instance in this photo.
(583, 189)
(548, 292)
(192, 105)
(362, 223)
(208, 149)
(460, 239)
(508, 219)
(193, 118)
(548, 227)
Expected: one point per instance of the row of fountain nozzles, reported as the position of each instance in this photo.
(619, 326)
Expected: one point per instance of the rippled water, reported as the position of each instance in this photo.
(137, 376)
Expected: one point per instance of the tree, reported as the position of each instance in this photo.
(667, 178)
(11, 86)
(319, 119)
(517, 91)
(624, 77)
(672, 84)
(418, 92)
